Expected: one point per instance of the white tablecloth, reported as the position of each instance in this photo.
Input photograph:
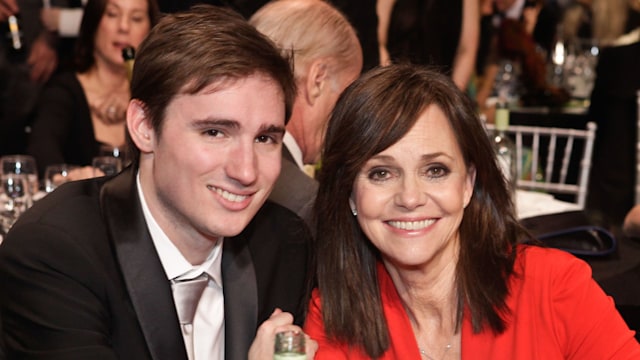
(532, 203)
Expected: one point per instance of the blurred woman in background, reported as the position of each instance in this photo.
(82, 110)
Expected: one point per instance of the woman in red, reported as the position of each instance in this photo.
(417, 241)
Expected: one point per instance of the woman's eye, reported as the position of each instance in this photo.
(379, 174)
(437, 171)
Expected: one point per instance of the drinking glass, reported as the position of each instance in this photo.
(56, 175)
(106, 165)
(114, 151)
(22, 165)
(289, 345)
(15, 199)
(580, 69)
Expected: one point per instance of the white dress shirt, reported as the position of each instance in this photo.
(290, 142)
(208, 323)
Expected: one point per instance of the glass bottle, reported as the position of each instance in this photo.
(14, 38)
(129, 54)
(505, 148)
(289, 345)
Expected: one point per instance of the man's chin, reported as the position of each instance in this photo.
(235, 225)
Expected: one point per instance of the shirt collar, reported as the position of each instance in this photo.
(291, 144)
(174, 264)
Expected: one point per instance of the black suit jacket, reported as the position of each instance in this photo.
(80, 278)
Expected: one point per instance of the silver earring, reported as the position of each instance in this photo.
(354, 211)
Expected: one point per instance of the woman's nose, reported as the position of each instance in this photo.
(124, 23)
(411, 193)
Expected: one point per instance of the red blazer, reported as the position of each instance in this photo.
(559, 312)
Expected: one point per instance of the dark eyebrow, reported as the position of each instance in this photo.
(205, 123)
(273, 129)
(233, 124)
(425, 157)
(436, 155)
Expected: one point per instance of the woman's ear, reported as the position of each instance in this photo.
(139, 126)
(469, 185)
(352, 205)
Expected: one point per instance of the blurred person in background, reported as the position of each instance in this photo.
(78, 111)
(441, 34)
(361, 14)
(613, 106)
(520, 38)
(23, 71)
(327, 57)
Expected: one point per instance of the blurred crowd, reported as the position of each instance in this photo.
(64, 90)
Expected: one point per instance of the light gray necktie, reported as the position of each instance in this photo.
(186, 294)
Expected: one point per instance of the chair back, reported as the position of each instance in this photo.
(546, 155)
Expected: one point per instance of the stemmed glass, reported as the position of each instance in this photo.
(106, 165)
(115, 152)
(57, 174)
(15, 199)
(22, 165)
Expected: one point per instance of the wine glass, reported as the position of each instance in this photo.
(15, 199)
(22, 165)
(106, 165)
(116, 152)
(56, 175)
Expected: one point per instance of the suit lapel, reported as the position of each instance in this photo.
(142, 270)
(240, 297)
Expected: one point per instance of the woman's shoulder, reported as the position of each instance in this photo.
(549, 266)
(541, 253)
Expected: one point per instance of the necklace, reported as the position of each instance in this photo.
(423, 352)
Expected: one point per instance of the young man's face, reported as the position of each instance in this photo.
(216, 158)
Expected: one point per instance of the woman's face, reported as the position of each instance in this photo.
(410, 198)
(124, 23)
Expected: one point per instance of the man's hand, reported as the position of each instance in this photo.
(263, 345)
(43, 59)
(8, 8)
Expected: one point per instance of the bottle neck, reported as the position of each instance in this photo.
(502, 119)
(14, 34)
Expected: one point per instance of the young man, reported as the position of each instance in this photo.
(89, 271)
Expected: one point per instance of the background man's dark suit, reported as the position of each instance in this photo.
(98, 279)
(294, 189)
